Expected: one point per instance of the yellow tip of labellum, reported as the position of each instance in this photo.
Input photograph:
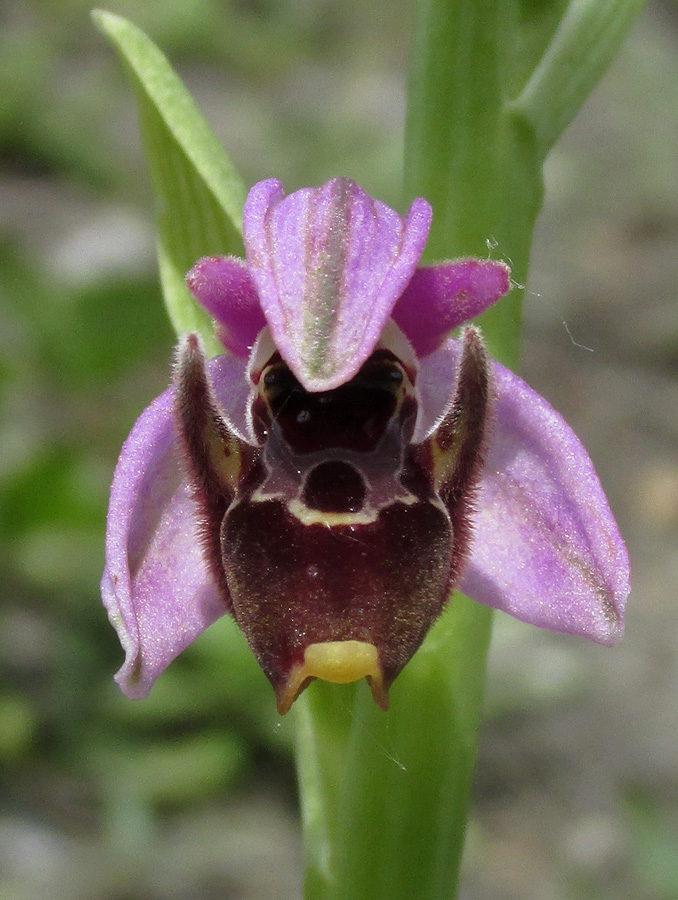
(338, 662)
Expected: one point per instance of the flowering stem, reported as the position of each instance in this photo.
(474, 161)
(490, 91)
(385, 796)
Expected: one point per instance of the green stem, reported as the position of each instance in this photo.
(324, 719)
(385, 795)
(475, 161)
(492, 85)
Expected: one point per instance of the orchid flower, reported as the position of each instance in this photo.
(348, 463)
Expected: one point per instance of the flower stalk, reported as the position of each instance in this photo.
(488, 96)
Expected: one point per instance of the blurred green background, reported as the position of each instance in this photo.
(191, 793)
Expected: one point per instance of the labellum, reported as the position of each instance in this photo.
(335, 539)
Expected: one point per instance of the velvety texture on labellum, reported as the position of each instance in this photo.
(348, 462)
(335, 540)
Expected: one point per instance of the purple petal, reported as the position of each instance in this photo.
(546, 548)
(329, 264)
(436, 386)
(232, 387)
(156, 587)
(222, 284)
(440, 298)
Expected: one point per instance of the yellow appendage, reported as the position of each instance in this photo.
(338, 662)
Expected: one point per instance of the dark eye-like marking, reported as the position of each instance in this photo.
(278, 384)
(335, 541)
(381, 372)
(334, 487)
(353, 416)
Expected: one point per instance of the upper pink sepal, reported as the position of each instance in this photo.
(157, 588)
(545, 546)
(224, 287)
(329, 264)
(440, 298)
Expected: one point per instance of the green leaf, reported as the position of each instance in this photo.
(199, 195)
(587, 38)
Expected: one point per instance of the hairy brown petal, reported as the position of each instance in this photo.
(458, 444)
(213, 456)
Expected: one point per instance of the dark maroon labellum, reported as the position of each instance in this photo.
(335, 539)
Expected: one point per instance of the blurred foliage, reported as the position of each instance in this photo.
(59, 83)
(85, 345)
(655, 838)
